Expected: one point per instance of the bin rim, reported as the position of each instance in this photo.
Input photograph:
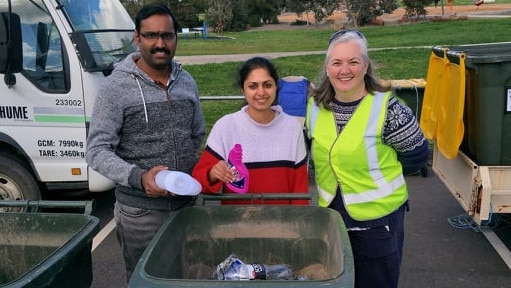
(440, 47)
(479, 58)
(82, 235)
(30, 206)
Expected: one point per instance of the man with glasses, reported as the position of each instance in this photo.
(147, 118)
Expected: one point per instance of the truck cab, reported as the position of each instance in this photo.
(54, 56)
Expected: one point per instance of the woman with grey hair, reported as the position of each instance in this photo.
(364, 140)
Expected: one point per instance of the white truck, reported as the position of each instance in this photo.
(54, 55)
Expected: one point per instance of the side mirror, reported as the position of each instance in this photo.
(11, 53)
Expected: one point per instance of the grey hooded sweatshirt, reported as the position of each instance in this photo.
(137, 125)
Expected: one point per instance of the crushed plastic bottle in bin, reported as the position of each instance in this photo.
(232, 269)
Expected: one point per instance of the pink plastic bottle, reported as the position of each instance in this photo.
(235, 161)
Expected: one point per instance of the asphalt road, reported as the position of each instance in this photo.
(436, 254)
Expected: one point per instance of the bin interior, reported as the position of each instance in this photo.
(312, 240)
(30, 244)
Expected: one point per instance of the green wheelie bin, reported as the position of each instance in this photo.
(487, 100)
(185, 252)
(44, 249)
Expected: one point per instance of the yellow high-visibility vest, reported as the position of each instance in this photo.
(368, 172)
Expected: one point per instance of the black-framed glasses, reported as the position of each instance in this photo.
(339, 33)
(165, 36)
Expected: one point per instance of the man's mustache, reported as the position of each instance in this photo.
(156, 50)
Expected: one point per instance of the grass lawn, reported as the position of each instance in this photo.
(410, 60)
(316, 39)
(404, 63)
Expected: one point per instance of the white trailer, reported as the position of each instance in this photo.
(481, 190)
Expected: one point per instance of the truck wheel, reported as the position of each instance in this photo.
(16, 182)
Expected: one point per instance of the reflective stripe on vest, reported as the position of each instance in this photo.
(326, 187)
(314, 110)
(325, 197)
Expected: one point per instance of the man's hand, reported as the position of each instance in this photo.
(149, 184)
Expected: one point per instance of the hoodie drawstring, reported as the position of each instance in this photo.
(142, 96)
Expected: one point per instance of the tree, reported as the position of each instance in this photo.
(417, 8)
(132, 7)
(240, 18)
(321, 8)
(220, 14)
(186, 12)
(262, 11)
(361, 12)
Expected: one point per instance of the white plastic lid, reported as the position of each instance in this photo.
(178, 182)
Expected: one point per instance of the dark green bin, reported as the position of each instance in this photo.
(46, 249)
(189, 246)
(411, 92)
(487, 115)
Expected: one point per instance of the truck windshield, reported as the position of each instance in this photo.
(102, 31)
(96, 15)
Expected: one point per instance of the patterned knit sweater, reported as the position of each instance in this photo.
(274, 153)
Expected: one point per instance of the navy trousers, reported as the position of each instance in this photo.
(377, 254)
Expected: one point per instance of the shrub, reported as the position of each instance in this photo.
(416, 8)
(361, 12)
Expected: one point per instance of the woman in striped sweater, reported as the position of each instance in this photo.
(273, 144)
